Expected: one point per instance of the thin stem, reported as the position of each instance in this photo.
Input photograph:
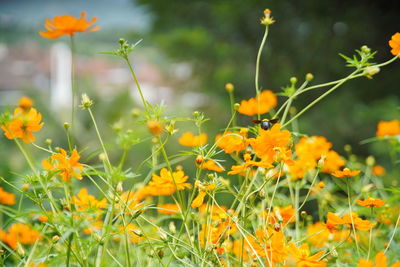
(351, 215)
(74, 91)
(394, 232)
(137, 85)
(256, 78)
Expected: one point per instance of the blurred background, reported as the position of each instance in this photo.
(190, 50)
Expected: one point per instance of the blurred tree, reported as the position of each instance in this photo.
(220, 39)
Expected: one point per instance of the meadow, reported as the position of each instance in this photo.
(256, 194)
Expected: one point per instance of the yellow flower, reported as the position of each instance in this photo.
(6, 198)
(68, 25)
(394, 43)
(166, 184)
(258, 105)
(68, 167)
(85, 201)
(388, 128)
(188, 139)
(22, 124)
(345, 173)
(168, 208)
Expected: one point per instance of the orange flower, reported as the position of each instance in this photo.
(155, 127)
(345, 173)
(25, 103)
(270, 142)
(314, 147)
(371, 202)
(166, 184)
(188, 139)
(85, 201)
(394, 43)
(300, 167)
(232, 142)
(212, 166)
(333, 162)
(134, 233)
(93, 227)
(378, 170)
(360, 224)
(198, 201)
(281, 214)
(19, 233)
(388, 128)
(22, 124)
(301, 256)
(6, 198)
(68, 167)
(380, 261)
(68, 25)
(168, 209)
(258, 105)
(333, 222)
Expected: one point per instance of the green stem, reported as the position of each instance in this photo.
(256, 78)
(351, 216)
(73, 89)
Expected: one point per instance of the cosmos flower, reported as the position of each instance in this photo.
(85, 201)
(371, 202)
(6, 198)
(388, 128)
(23, 123)
(166, 183)
(394, 43)
(346, 173)
(301, 256)
(169, 208)
(259, 105)
(67, 167)
(232, 142)
(68, 25)
(19, 233)
(380, 261)
(188, 139)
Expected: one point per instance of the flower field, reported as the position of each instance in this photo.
(256, 194)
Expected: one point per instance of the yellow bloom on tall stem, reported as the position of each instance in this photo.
(166, 183)
(68, 167)
(23, 123)
(68, 25)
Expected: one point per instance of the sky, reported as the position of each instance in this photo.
(111, 13)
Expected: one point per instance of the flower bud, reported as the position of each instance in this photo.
(135, 112)
(120, 188)
(55, 238)
(25, 187)
(236, 106)
(229, 87)
(66, 125)
(199, 159)
(48, 141)
(267, 19)
(370, 161)
(371, 71)
(155, 127)
(293, 80)
(196, 114)
(102, 157)
(309, 77)
(365, 49)
(86, 102)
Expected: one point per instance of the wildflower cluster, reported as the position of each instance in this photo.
(259, 194)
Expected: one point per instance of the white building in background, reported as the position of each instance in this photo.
(60, 77)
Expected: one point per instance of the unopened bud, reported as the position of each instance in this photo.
(371, 71)
(119, 188)
(277, 227)
(236, 106)
(25, 187)
(293, 80)
(135, 112)
(267, 19)
(155, 127)
(121, 41)
(199, 159)
(48, 141)
(347, 148)
(229, 87)
(370, 161)
(303, 214)
(55, 238)
(309, 77)
(66, 126)
(102, 157)
(196, 114)
(365, 49)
